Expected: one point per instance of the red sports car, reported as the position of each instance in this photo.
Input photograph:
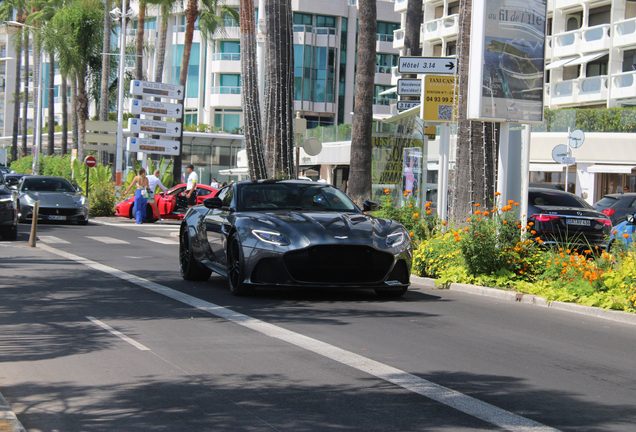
(172, 204)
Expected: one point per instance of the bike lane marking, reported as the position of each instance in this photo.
(446, 396)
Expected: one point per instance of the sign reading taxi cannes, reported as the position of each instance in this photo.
(439, 98)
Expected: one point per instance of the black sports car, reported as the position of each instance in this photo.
(8, 211)
(289, 233)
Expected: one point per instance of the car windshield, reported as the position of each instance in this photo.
(46, 184)
(557, 199)
(293, 196)
(607, 202)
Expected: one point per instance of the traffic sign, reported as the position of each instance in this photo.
(148, 88)
(405, 105)
(163, 109)
(559, 152)
(439, 98)
(569, 160)
(90, 161)
(427, 65)
(409, 87)
(144, 145)
(156, 127)
(576, 138)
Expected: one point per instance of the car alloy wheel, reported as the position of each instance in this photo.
(235, 269)
(190, 269)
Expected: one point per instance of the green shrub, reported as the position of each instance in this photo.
(102, 200)
(436, 255)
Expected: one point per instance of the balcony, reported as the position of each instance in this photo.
(225, 63)
(226, 96)
(400, 5)
(384, 43)
(579, 91)
(440, 28)
(625, 33)
(383, 75)
(398, 39)
(624, 85)
(585, 40)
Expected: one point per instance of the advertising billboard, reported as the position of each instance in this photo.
(507, 59)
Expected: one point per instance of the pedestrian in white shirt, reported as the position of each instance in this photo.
(153, 182)
(214, 184)
(193, 179)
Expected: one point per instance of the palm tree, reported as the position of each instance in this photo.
(209, 23)
(64, 91)
(105, 81)
(359, 186)
(279, 74)
(250, 94)
(25, 103)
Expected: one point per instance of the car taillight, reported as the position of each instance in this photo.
(544, 217)
(608, 212)
(606, 222)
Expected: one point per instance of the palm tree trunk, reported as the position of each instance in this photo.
(191, 13)
(103, 94)
(249, 93)
(74, 122)
(25, 103)
(51, 124)
(36, 90)
(141, 23)
(64, 92)
(16, 96)
(161, 45)
(279, 132)
(82, 115)
(359, 185)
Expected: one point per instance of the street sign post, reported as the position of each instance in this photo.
(154, 127)
(166, 147)
(147, 88)
(90, 162)
(406, 105)
(163, 109)
(427, 65)
(409, 87)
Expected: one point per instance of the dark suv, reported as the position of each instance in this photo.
(562, 218)
(8, 212)
(617, 206)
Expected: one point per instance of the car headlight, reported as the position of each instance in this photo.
(82, 201)
(272, 237)
(396, 239)
(29, 200)
(6, 203)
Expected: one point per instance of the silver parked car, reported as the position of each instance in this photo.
(59, 200)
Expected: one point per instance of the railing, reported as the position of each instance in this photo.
(131, 32)
(383, 69)
(596, 33)
(592, 84)
(58, 99)
(181, 28)
(325, 30)
(302, 28)
(226, 90)
(398, 35)
(563, 89)
(226, 56)
(384, 38)
(568, 38)
(230, 22)
(383, 101)
(625, 32)
(624, 80)
(305, 28)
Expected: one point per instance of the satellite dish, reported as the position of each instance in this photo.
(576, 138)
(312, 146)
(559, 152)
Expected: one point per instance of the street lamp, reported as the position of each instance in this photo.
(115, 14)
(38, 122)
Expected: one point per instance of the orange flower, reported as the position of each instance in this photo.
(468, 220)
(386, 191)
(405, 194)
(443, 223)
(355, 202)
(466, 229)
(537, 238)
(411, 234)
(497, 193)
(504, 221)
(456, 233)
(568, 251)
(476, 204)
(614, 232)
(389, 200)
(457, 238)
(486, 213)
(427, 205)
(410, 205)
(511, 201)
(533, 232)
(477, 212)
(516, 204)
(520, 271)
(416, 215)
(530, 223)
(428, 212)
(408, 192)
(625, 235)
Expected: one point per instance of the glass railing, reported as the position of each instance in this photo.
(589, 120)
(226, 90)
(229, 22)
(383, 69)
(384, 38)
(181, 28)
(302, 28)
(325, 30)
(383, 101)
(226, 56)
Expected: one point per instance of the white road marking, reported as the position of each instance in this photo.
(161, 240)
(52, 240)
(118, 334)
(108, 240)
(454, 399)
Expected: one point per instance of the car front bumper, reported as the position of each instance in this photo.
(55, 213)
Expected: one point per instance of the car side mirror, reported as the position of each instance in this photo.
(631, 219)
(370, 206)
(13, 187)
(213, 203)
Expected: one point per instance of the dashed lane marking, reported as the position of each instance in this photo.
(160, 240)
(118, 334)
(52, 240)
(446, 396)
(107, 240)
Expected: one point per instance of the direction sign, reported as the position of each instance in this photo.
(155, 127)
(569, 160)
(90, 161)
(428, 65)
(409, 87)
(163, 109)
(148, 88)
(405, 105)
(144, 145)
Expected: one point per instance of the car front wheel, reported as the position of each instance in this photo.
(190, 269)
(236, 268)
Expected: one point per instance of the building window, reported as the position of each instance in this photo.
(451, 48)
(453, 8)
(629, 60)
(190, 118)
(597, 67)
(227, 120)
(384, 62)
(231, 47)
(386, 28)
(192, 85)
(325, 21)
(303, 18)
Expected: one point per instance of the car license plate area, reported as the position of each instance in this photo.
(579, 222)
(57, 217)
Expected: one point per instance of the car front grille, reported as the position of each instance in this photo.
(339, 264)
(54, 211)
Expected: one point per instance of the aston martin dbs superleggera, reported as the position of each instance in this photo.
(290, 233)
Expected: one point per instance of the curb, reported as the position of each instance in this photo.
(8, 420)
(532, 299)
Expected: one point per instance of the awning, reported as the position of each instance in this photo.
(611, 169)
(309, 167)
(235, 171)
(558, 63)
(549, 167)
(384, 93)
(586, 58)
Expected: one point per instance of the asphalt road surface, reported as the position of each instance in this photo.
(98, 332)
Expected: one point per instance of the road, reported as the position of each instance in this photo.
(98, 332)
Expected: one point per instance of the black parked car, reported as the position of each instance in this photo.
(14, 179)
(617, 206)
(8, 211)
(562, 218)
(293, 233)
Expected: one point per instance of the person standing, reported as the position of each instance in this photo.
(153, 182)
(191, 187)
(141, 195)
(214, 184)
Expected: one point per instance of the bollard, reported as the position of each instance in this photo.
(34, 224)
